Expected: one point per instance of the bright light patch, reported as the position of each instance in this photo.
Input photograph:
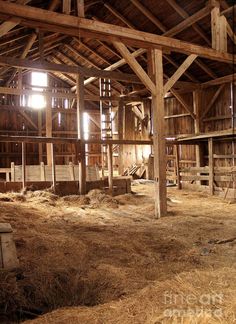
(38, 79)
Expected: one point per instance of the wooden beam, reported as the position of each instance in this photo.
(110, 168)
(185, 15)
(183, 67)
(80, 8)
(159, 145)
(121, 135)
(80, 127)
(125, 21)
(211, 166)
(49, 133)
(118, 15)
(183, 103)
(231, 34)
(171, 61)
(215, 27)
(40, 146)
(135, 66)
(53, 5)
(64, 140)
(12, 22)
(53, 165)
(223, 34)
(70, 25)
(66, 7)
(206, 69)
(202, 13)
(149, 15)
(52, 67)
(225, 79)
(23, 158)
(23, 55)
(212, 101)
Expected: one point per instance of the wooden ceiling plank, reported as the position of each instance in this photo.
(118, 15)
(91, 50)
(149, 15)
(188, 22)
(182, 13)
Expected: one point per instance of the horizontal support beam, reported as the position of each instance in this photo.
(224, 79)
(57, 140)
(74, 26)
(67, 95)
(68, 69)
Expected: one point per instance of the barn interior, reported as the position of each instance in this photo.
(117, 161)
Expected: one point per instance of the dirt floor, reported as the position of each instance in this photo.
(109, 260)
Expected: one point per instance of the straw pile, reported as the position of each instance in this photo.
(211, 299)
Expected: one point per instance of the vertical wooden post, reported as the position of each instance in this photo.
(80, 8)
(19, 84)
(42, 172)
(110, 168)
(218, 29)
(159, 144)
(215, 26)
(197, 101)
(49, 131)
(223, 35)
(40, 145)
(211, 166)
(53, 168)
(13, 174)
(177, 167)
(66, 6)
(80, 125)
(121, 135)
(23, 166)
(41, 44)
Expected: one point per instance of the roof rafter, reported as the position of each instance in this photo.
(73, 26)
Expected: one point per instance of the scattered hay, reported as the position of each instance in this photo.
(201, 297)
(11, 298)
(77, 200)
(12, 196)
(42, 194)
(99, 199)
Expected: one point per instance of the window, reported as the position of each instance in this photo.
(38, 79)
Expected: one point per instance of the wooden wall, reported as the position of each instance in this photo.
(178, 121)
